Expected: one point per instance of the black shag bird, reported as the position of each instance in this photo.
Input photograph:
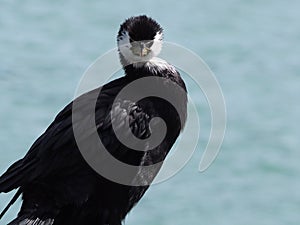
(57, 184)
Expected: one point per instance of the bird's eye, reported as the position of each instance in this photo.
(149, 44)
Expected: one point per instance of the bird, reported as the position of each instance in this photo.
(57, 184)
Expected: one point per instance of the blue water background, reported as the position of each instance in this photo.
(251, 46)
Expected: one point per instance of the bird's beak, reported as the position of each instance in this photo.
(144, 52)
(140, 49)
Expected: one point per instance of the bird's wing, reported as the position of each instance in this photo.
(55, 152)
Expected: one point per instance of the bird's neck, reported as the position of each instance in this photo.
(152, 67)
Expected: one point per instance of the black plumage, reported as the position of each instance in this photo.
(58, 186)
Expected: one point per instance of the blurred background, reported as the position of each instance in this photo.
(251, 46)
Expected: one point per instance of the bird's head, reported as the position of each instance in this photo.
(139, 40)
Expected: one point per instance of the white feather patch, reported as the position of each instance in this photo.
(37, 221)
(124, 46)
(159, 65)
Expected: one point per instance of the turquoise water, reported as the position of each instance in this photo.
(251, 46)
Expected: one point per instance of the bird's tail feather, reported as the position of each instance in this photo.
(14, 176)
(23, 220)
(12, 201)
